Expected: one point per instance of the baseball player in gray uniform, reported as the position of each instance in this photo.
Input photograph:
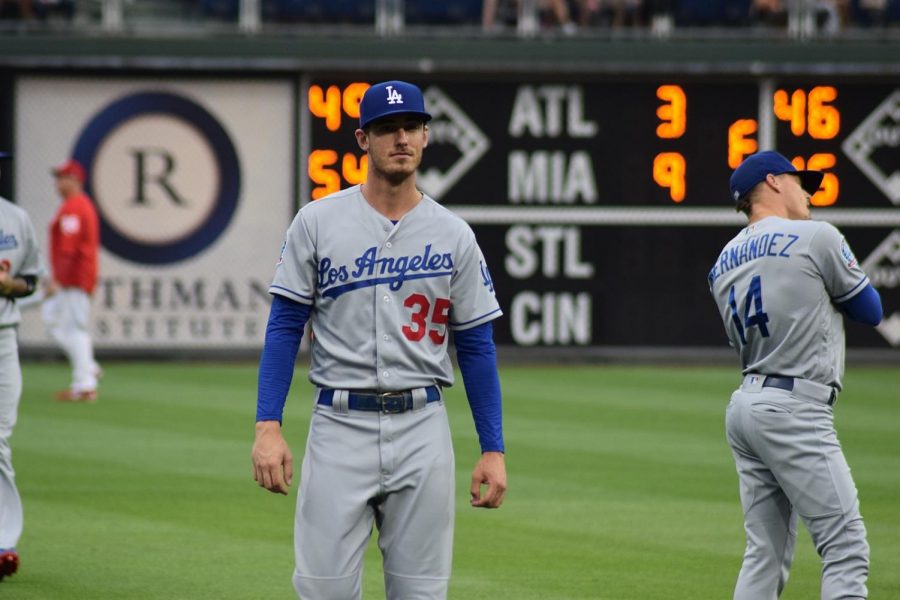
(383, 274)
(20, 267)
(782, 286)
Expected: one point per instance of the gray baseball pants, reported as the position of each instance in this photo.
(10, 391)
(790, 464)
(392, 470)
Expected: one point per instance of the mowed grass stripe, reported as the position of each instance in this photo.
(621, 486)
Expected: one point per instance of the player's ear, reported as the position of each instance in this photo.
(362, 139)
(425, 129)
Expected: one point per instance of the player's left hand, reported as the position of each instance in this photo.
(6, 279)
(490, 471)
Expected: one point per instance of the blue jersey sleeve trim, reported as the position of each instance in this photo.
(865, 307)
(276, 364)
(491, 315)
(854, 290)
(477, 358)
(283, 291)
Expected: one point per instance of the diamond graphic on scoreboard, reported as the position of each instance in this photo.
(883, 269)
(873, 147)
(450, 126)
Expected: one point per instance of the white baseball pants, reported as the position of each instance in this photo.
(393, 470)
(67, 315)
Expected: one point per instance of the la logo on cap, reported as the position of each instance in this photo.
(394, 97)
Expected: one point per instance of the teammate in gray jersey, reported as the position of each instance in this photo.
(383, 273)
(20, 267)
(782, 286)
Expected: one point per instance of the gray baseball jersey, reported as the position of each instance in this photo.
(776, 284)
(19, 256)
(18, 252)
(385, 293)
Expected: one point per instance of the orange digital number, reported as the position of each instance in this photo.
(828, 192)
(669, 169)
(673, 113)
(328, 179)
(810, 113)
(792, 110)
(824, 119)
(353, 94)
(326, 104)
(739, 145)
(354, 170)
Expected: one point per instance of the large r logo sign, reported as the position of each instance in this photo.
(164, 175)
(145, 175)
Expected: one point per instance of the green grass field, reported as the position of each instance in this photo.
(621, 487)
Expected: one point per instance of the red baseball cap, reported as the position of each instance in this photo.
(70, 168)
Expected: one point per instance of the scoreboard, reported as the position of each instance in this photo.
(601, 203)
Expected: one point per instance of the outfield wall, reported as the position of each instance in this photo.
(597, 188)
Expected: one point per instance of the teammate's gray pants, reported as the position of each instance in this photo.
(396, 471)
(790, 464)
(10, 391)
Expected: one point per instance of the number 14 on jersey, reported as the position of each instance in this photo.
(752, 299)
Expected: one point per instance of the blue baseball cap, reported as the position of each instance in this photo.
(756, 167)
(391, 98)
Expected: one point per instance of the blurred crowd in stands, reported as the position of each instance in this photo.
(570, 15)
(36, 9)
(565, 16)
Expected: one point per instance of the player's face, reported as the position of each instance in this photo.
(394, 145)
(796, 198)
(66, 186)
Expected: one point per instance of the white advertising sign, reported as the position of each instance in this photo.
(193, 184)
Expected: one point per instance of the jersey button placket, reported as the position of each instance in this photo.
(383, 310)
(383, 324)
(381, 338)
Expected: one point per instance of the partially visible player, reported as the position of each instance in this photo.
(74, 249)
(783, 286)
(20, 267)
(383, 273)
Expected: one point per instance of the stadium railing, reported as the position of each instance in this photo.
(798, 19)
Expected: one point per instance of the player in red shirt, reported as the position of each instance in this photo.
(74, 245)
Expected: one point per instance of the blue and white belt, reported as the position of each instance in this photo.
(374, 401)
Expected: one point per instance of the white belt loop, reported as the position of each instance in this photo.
(752, 383)
(815, 391)
(340, 402)
(419, 398)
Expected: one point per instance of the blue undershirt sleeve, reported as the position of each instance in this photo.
(276, 364)
(864, 307)
(477, 359)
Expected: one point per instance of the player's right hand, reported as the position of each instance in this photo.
(273, 465)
